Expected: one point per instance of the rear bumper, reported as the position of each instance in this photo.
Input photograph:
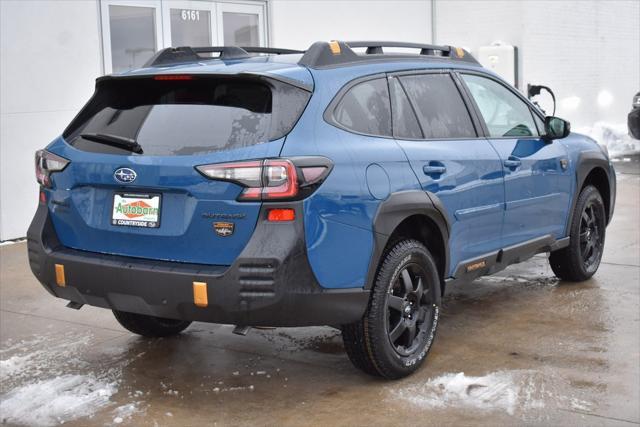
(270, 284)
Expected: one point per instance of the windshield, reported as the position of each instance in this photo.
(185, 117)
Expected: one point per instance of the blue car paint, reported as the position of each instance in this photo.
(471, 190)
(338, 217)
(82, 197)
(537, 192)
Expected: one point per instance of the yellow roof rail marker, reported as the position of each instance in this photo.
(460, 52)
(200, 298)
(60, 279)
(335, 47)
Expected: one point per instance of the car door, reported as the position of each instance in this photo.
(435, 129)
(536, 172)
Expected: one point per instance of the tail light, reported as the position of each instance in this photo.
(272, 179)
(46, 164)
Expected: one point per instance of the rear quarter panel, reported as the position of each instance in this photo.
(339, 215)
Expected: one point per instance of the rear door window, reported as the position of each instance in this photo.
(439, 106)
(365, 108)
(185, 117)
(405, 122)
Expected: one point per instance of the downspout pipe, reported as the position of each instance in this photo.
(433, 21)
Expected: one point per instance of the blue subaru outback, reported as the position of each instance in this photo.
(342, 185)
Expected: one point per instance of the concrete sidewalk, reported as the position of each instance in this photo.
(517, 348)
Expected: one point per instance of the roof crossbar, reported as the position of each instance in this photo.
(185, 54)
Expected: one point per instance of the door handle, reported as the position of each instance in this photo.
(434, 169)
(512, 162)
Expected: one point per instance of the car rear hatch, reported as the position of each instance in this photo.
(131, 186)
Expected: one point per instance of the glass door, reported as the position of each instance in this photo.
(189, 23)
(133, 30)
(241, 24)
(131, 33)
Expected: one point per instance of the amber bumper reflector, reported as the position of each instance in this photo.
(60, 279)
(200, 294)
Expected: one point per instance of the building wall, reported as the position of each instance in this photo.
(49, 58)
(581, 49)
(297, 24)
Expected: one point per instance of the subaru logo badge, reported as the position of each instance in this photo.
(125, 175)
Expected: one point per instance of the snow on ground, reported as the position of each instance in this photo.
(45, 381)
(11, 242)
(125, 412)
(496, 391)
(506, 391)
(56, 400)
(614, 136)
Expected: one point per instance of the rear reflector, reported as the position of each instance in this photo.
(60, 279)
(200, 298)
(281, 215)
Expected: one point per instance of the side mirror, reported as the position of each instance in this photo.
(556, 128)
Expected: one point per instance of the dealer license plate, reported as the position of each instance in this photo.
(136, 210)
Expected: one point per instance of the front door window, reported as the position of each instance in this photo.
(505, 114)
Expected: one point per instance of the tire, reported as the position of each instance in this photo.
(149, 326)
(404, 303)
(581, 259)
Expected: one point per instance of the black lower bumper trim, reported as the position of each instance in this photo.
(270, 284)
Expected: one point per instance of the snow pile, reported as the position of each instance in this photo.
(46, 381)
(496, 391)
(521, 392)
(56, 400)
(614, 136)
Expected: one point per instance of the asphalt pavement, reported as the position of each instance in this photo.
(516, 348)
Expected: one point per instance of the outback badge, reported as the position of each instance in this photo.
(224, 229)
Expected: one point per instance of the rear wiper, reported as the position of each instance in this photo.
(116, 141)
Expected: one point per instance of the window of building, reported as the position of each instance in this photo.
(365, 108)
(131, 34)
(505, 114)
(439, 106)
(133, 30)
(189, 23)
(241, 24)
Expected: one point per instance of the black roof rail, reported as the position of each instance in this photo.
(270, 50)
(185, 54)
(319, 55)
(336, 53)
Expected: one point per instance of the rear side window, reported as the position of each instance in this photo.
(439, 105)
(365, 108)
(185, 117)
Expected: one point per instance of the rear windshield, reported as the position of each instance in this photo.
(185, 117)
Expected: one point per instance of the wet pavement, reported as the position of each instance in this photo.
(516, 348)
